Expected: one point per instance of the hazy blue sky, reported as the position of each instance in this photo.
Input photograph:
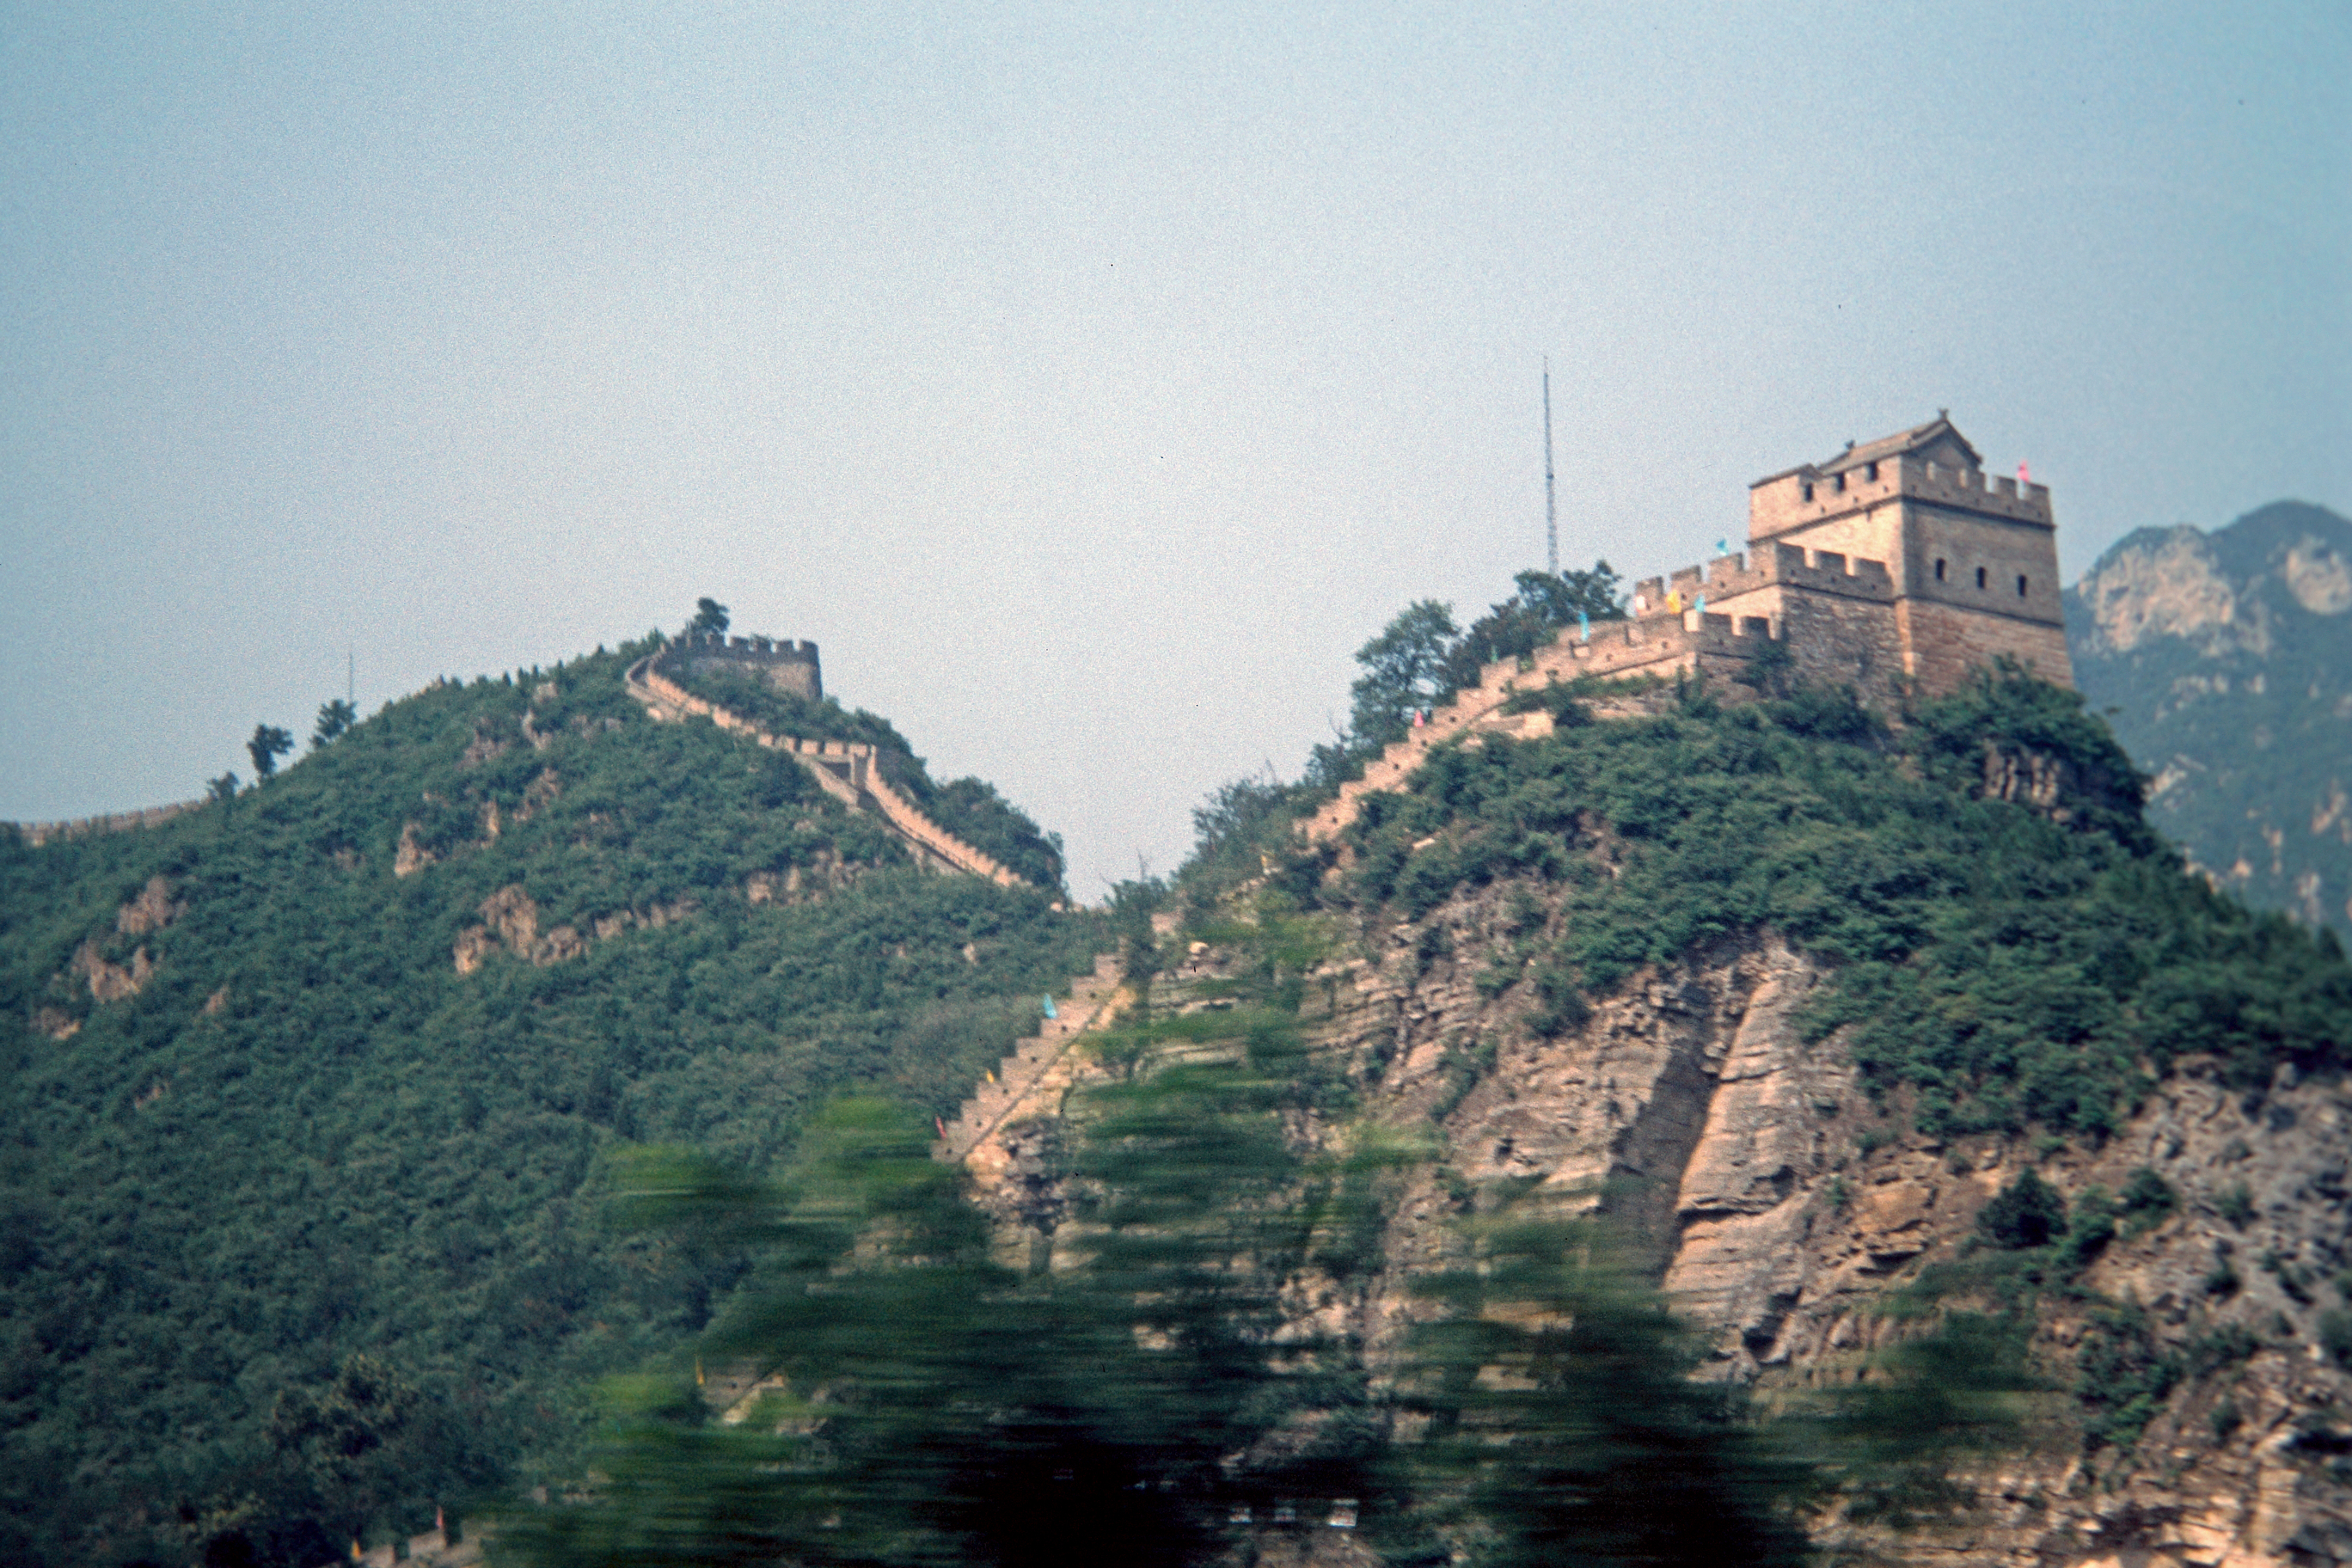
(1088, 381)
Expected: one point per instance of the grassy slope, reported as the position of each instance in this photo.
(359, 1148)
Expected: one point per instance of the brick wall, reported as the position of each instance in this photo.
(1947, 643)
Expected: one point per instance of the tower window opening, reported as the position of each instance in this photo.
(1870, 472)
(1839, 484)
(1808, 492)
(1980, 577)
(2021, 585)
(1940, 568)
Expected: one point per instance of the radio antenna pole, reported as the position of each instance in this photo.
(1551, 517)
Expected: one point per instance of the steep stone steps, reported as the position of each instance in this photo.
(1036, 1070)
(1663, 641)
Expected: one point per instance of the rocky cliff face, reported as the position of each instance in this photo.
(1780, 1206)
(2225, 663)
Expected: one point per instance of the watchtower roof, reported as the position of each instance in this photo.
(1940, 437)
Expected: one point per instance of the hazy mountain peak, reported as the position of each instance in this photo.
(2224, 661)
(2157, 582)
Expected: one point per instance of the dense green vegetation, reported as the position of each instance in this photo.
(1147, 1389)
(307, 1136)
(2003, 965)
(940, 1407)
(969, 808)
(1150, 1394)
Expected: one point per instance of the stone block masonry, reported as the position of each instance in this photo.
(1030, 1081)
(786, 665)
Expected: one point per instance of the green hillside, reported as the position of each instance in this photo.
(2008, 971)
(329, 1069)
(2224, 663)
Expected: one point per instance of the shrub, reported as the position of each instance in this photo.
(2335, 1336)
(2009, 965)
(2029, 1212)
(2147, 1201)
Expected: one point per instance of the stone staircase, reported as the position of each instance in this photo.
(1039, 1068)
(1657, 643)
(1473, 708)
(843, 769)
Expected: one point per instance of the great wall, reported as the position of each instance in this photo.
(1883, 623)
(37, 834)
(1040, 1064)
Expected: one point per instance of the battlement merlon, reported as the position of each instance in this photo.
(1804, 496)
(1771, 566)
(787, 665)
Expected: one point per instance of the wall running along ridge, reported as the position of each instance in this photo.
(843, 769)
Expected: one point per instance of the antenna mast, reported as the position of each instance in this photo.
(1552, 518)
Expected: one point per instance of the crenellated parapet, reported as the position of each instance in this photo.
(1771, 566)
(1800, 498)
(782, 663)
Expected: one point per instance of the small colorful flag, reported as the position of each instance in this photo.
(2023, 476)
(1674, 603)
(1583, 627)
(1049, 1008)
(1723, 546)
(1701, 607)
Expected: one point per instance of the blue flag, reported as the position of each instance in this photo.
(1049, 1008)
(1583, 627)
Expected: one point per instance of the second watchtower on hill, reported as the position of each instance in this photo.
(777, 660)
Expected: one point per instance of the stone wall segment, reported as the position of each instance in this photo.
(843, 769)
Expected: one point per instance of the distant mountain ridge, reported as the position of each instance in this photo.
(2223, 662)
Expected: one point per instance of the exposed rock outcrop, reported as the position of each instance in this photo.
(510, 925)
(1779, 1206)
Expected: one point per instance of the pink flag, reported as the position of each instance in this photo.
(2023, 476)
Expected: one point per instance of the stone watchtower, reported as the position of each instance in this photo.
(1974, 561)
(774, 659)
